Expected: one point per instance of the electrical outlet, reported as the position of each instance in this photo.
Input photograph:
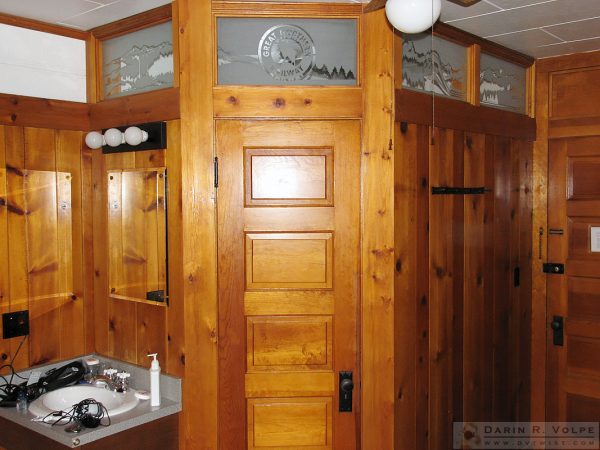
(15, 324)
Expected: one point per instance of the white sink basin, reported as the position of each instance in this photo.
(64, 399)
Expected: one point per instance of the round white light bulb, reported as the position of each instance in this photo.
(135, 136)
(113, 137)
(413, 16)
(94, 140)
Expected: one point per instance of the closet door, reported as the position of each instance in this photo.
(288, 256)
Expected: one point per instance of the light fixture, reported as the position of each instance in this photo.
(143, 136)
(114, 137)
(413, 16)
(94, 140)
(135, 136)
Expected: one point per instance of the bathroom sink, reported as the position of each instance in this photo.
(64, 399)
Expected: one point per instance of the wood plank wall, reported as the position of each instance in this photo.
(462, 326)
(43, 258)
(125, 329)
(567, 96)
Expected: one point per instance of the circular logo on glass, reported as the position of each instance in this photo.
(287, 53)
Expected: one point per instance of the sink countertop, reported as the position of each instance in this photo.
(170, 390)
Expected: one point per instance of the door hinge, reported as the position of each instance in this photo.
(553, 268)
(216, 171)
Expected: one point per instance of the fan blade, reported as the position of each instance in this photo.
(465, 2)
(374, 5)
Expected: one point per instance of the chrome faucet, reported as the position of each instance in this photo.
(105, 382)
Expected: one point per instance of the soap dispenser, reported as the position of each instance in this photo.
(154, 381)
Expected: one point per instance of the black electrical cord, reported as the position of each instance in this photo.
(10, 390)
(88, 413)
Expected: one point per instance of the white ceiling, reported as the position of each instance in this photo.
(539, 28)
(80, 14)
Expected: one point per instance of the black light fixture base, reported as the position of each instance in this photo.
(157, 138)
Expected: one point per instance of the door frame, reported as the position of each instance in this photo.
(546, 129)
(199, 103)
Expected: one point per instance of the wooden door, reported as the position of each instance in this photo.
(288, 248)
(573, 389)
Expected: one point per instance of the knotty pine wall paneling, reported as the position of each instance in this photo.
(43, 252)
(127, 329)
(462, 326)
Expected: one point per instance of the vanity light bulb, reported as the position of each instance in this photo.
(94, 140)
(413, 16)
(135, 136)
(113, 137)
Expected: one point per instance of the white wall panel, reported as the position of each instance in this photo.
(40, 64)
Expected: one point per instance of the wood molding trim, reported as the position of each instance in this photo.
(44, 27)
(199, 258)
(575, 127)
(539, 235)
(151, 106)
(416, 107)
(377, 330)
(130, 24)
(569, 62)
(449, 32)
(284, 102)
(43, 113)
(225, 8)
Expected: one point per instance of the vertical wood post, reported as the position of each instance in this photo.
(378, 235)
(198, 224)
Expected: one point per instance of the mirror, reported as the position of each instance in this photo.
(137, 235)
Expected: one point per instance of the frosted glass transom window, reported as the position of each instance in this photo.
(38, 64)
(502, 84)
(137, 62)
(441, 67)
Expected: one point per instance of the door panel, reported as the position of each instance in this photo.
(288, 247)
(573, 390)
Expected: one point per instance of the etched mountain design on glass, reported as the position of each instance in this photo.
(501, 84)
(286, 51)
(319, 73)
(141, 68)
(441, 71)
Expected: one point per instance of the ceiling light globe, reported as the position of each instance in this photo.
(113, 137)
(135, 136)
(413, 16)
(94, 140)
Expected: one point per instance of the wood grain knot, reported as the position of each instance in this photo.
(423, 300)
(13, 117)
(182, 359)
(111, 325)
(307, 101)
(232, 100)
(168, 338)
(469, 142)
(191, 278)
(73, 297)
(97, 272)
(4, 356)
(14, 100)
(398, 266)
(424, 182)
(403, 127)
(279, 102)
